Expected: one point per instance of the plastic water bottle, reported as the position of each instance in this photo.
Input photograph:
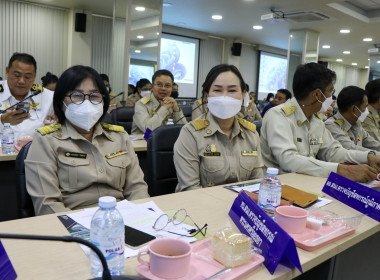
(107, 233)
(8, 140)
(270, 191)
(169, 122)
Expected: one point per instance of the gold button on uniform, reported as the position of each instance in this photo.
(208, 131)
(73, 162)
(299, 122)
(233, 174)
(101, 170)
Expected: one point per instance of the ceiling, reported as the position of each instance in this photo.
(362, 17)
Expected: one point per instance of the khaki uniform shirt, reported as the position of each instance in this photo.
(372, 123)
(41, 106)
(132, 99)
(251, 112)
(198, 109)
(150, 114)
(205, 157)
(293, 143)
(65, 171)
(351, 137)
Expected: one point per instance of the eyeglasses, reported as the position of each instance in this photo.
(160, 85)
(178, 218)
(78, 96)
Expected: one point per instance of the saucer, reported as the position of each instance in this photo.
(202, 264)
(332, 232)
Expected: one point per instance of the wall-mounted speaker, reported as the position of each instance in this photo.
(236, 49)
(80, 22)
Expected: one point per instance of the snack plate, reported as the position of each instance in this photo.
(203, 265)
(304, 240)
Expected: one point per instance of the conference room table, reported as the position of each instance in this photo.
(8, 200)
(57, 260)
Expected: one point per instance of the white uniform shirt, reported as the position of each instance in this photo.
(41, 106)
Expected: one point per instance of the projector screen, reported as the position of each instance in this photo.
(137, 72)
(179, 55)
(272, 74)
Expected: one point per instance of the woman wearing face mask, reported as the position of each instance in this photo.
(72, 163)
(345, 126)
(218, 148)
(143, 88)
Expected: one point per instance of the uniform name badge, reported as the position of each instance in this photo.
(316, 141)
(75, 155)
(116, 154)
(211, 151)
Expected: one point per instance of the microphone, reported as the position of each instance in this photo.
(34, 93)
(106, 271)
(117, 95)
(191, 112)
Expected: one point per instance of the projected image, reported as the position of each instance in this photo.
(272, 75)
(137, 72)
(178, 57)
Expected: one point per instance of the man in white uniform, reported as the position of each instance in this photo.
(21, 72)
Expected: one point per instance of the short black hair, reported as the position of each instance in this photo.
(70, 80)
(349, 96)
(162, 72)
(269, 96)
(287, 93)
(48, 79)
(215, 72)
(373, 90)
(309, 77)
(104, 77)
(142, 82)
(24, 58)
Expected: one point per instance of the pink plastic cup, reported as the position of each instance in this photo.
(169, 258)
(292, 219)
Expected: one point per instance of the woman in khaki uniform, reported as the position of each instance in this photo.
(219, 147)
(72, 163)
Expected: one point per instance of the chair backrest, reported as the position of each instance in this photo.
(186, 110)
(24, 201)
(258, 124)
(123, 116)
(161, 174)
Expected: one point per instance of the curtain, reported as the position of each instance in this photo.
(248, 66)
(37, 30)
(211, 52)
(101, 44)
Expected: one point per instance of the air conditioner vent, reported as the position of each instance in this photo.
(306, 16)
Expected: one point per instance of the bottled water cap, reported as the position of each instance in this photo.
(107, 202)
(273, 171)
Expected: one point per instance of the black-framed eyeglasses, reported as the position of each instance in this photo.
(178, 218)
(161, 85)
(78, 96)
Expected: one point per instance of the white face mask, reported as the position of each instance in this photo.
(246, 100)
(363, 115)
(84, 115)
(325, 104)
(224, 107)
(144, 93)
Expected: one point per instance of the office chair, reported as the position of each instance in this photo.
(123, 116)
(258, 124)
(24, 201)
(186, 110)
(161, 173)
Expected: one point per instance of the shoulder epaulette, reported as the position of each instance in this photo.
(200, 101)
(113, 127)
(359, 123)
(340, 122)
(131, 96)
(49, 128)
(248, 125)
(1, 88)
(145, 99)
(289, 109)
(318, 116)
(200, 124)
(36, 86)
